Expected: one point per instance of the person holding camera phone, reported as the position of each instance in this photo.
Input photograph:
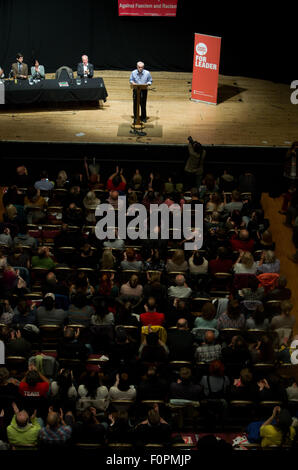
(194, 166)
(44, 184)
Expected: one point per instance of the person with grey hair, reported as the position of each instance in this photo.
(22, 429)
(85, 69)
(268, 263)
(180, 290)
(140, 76)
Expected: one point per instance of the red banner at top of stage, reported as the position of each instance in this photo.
(147, 7)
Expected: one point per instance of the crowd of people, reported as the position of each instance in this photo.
(126, 342)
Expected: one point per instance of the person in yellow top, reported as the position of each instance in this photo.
(279, 433)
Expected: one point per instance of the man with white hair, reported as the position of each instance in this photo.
(85, 69)
(180, 290)
(140, 76)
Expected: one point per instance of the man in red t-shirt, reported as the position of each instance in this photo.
(242, 242)
(151, 316)
(34, 384)
(116, 181)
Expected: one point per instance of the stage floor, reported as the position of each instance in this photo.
(250, 112)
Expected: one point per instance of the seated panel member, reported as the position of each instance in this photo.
(37, 70)
(85, 69)
(19, 68)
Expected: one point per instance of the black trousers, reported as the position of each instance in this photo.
(143, 101)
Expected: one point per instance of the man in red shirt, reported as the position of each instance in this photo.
(34, 384)
(242, 241)
(151, 316)
(116, 181)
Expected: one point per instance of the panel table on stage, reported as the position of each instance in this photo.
(46, 91)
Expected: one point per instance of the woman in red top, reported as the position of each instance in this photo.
(34, 384)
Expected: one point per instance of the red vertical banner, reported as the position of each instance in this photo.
(205, 68)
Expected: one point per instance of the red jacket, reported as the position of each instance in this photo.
(152, 318)
(245, 245)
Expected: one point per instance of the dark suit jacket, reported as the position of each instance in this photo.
(15, 70)
(80, 70)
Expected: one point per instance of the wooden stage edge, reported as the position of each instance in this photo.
(250, 113)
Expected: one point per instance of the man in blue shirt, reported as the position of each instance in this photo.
(140, 76)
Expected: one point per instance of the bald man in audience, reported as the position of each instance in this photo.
(23, 430)
(242, 241)
(208, 351)
(180, 290)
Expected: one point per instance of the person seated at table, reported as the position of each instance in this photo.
(1, 72)
(19, 68)
(37, 70)
(85, 69)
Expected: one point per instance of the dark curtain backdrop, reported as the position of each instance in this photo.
(255, 42)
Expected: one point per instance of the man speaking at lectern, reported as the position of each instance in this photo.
(140, 76)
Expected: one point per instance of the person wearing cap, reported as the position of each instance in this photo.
(278, 429)
(47, 314)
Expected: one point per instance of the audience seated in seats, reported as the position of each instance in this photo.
(208, 351)
(122, 338)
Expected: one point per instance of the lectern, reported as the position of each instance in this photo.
(138, 124)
